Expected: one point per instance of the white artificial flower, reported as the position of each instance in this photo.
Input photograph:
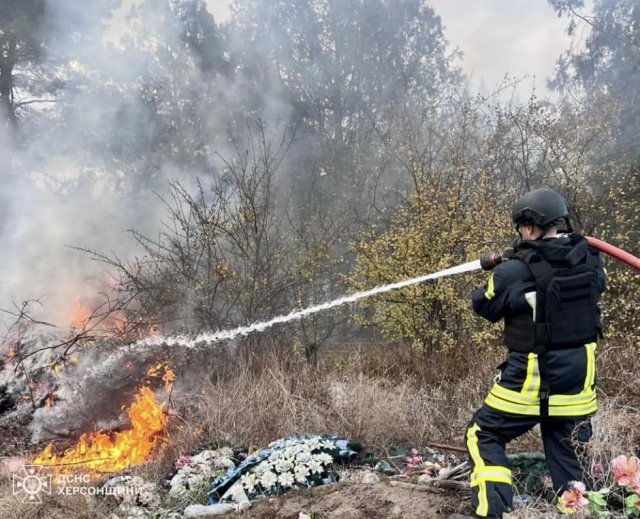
(303, 457)
(223, 462)
(324, 458)
(295, 449)
(224, 452)
(327, 444)
(274, 456)
(301, 472)
(268, 479)
(177, 490)
(286, 479)
(313, 443)
(283, 465)
(249, 481)
(263, 467)
(315, 467)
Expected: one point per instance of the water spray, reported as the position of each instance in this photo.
(210, 338)
(487, 262)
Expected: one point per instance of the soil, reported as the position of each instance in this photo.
(360, 501)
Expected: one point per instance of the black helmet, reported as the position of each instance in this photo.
(542, 207)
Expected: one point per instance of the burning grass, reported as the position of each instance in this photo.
(105, 452)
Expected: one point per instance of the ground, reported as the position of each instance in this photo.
(359, 501)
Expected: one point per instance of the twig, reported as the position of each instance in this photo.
(453, 448)
(458, 470)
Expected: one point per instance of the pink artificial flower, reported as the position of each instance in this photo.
(182, 461)
(573, 500)
(626, 471)
(412, 461)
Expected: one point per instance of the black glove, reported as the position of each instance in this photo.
(511, 249)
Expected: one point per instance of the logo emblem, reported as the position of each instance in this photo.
(30, 483)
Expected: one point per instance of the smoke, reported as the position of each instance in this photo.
(148, 91)
(84, 169)
(92, 395)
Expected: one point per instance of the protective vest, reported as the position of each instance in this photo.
(566, 300)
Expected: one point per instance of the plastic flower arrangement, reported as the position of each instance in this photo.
(626, 478)
(417, 465)
(194, 474)
(293, 463)
(296, 464)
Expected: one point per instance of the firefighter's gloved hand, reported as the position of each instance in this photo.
(511, 249)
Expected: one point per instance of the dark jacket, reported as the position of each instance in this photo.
(569, 373)
(511, 280)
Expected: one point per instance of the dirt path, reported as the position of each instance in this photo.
(359, 501)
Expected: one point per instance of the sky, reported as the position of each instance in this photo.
(516, 37)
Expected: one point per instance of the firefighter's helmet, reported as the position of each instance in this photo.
(542, 207)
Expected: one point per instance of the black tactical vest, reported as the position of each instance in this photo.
(566, 309)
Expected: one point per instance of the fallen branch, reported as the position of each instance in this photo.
(458, 471)
(453, 448)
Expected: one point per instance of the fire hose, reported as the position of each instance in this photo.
(492, 259)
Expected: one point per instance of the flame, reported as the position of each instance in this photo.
(168, 376)
(80, 314)
(104, 452)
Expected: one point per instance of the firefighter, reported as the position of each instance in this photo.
(547, 294)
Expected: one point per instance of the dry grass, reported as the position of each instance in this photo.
(383, 401)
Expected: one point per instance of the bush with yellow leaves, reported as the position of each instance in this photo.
(434, 232)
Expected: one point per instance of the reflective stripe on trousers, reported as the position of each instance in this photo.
(483, 474)
(527, 401)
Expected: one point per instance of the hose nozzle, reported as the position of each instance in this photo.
(490, 260)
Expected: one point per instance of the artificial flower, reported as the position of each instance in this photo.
(249, 481)
(286, 479)
(324, 458)
(626, 471)
(315, 467)
(573, 500)
(268, 479)
(301, 472)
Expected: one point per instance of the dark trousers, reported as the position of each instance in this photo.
(489, 432)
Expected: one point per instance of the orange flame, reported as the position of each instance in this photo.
(80, 314)
(168, 376)
(104, 452)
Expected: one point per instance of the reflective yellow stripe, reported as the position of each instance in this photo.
(478, 462)
(564, 400)
(590, 378)
(513, 408)
(574, 410)
(513, 396)
(513, 402)
(472, 444)
(491, 290)
(497, 478)
(492, 473)
(483, 500)
(531, 384)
